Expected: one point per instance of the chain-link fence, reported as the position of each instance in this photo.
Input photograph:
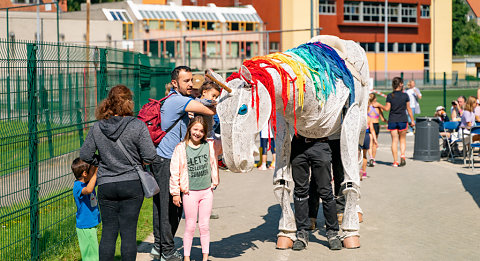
(427, 80)
(48, 95)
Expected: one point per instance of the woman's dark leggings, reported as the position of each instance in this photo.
(120, 204)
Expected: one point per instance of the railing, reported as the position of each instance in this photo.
(48, 95)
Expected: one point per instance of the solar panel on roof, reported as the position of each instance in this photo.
(120, 16)
(113, 16)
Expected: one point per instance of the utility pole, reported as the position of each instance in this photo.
(386, 43)
(311, 18)
(87, 35)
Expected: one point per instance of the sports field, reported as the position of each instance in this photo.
(433, 98)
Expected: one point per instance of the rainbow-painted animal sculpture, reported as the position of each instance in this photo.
(317, 89)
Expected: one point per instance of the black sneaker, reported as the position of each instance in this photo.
(175, 256)
(302, 240)
(402, 162)
(334, 241)
(214, 216)
(155, 253)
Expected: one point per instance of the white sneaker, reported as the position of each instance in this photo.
(410, 134)
(263, 167)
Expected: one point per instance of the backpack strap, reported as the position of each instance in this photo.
(176, 121)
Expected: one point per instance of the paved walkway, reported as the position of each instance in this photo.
(423, 211)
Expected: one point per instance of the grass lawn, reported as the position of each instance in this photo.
(58, 240)
(433, 98)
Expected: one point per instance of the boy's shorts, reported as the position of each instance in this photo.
(264, 145)
(88, 242)
(400, 126)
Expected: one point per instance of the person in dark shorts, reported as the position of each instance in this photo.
(375, 115)
(397, 103)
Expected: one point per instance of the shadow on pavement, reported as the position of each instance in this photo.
(236, 245)
(471, 183)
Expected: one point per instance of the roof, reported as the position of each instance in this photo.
(187, 13)
(475, 6)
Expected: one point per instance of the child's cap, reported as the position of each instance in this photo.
(198, 80)
(439, 108)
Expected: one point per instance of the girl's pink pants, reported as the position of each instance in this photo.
(197, 202)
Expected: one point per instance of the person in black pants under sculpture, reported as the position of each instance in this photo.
(313, 156)
(338, 178)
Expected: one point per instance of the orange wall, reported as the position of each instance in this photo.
(154, 2)
(396, 61)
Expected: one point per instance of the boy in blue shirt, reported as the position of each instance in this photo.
(88, 215)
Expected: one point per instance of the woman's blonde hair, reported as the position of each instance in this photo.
(197, 119)
(118, 102)
(470, 104)
(371, 97)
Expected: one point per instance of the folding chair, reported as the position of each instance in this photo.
(470, 146)
(452, 128)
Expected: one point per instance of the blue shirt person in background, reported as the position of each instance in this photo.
(88, 215)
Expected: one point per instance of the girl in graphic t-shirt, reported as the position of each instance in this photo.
(397, 103)
(194, 172)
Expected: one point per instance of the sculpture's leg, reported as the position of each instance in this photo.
(349, 149)
(283, 186)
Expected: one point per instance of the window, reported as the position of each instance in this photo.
(274, 47)
(213, 49)
(234, 48)
(425, 11)
(193, 48)
(327, 7)
(409, 13)
(234, 26)
(374, 12)
(351, 11)
(127, 31)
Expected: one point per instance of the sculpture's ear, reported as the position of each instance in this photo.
(246, 74)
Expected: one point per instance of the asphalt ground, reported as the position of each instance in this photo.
(423, 211)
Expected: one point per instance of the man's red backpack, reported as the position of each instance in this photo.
(150, 114)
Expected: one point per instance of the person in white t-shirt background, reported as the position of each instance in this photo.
(414, 95)
(265, 134)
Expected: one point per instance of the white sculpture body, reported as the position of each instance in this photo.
(240, 125)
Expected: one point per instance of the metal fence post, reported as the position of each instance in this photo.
(33, 149)
(60, 96)
(136, 81)
(444, 90)
(79, 122)
(102, 77)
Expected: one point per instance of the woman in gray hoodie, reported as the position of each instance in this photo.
(120, 193)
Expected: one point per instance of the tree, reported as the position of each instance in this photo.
(465, 35)
(74, 5)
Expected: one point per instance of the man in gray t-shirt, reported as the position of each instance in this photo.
(166, 216)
